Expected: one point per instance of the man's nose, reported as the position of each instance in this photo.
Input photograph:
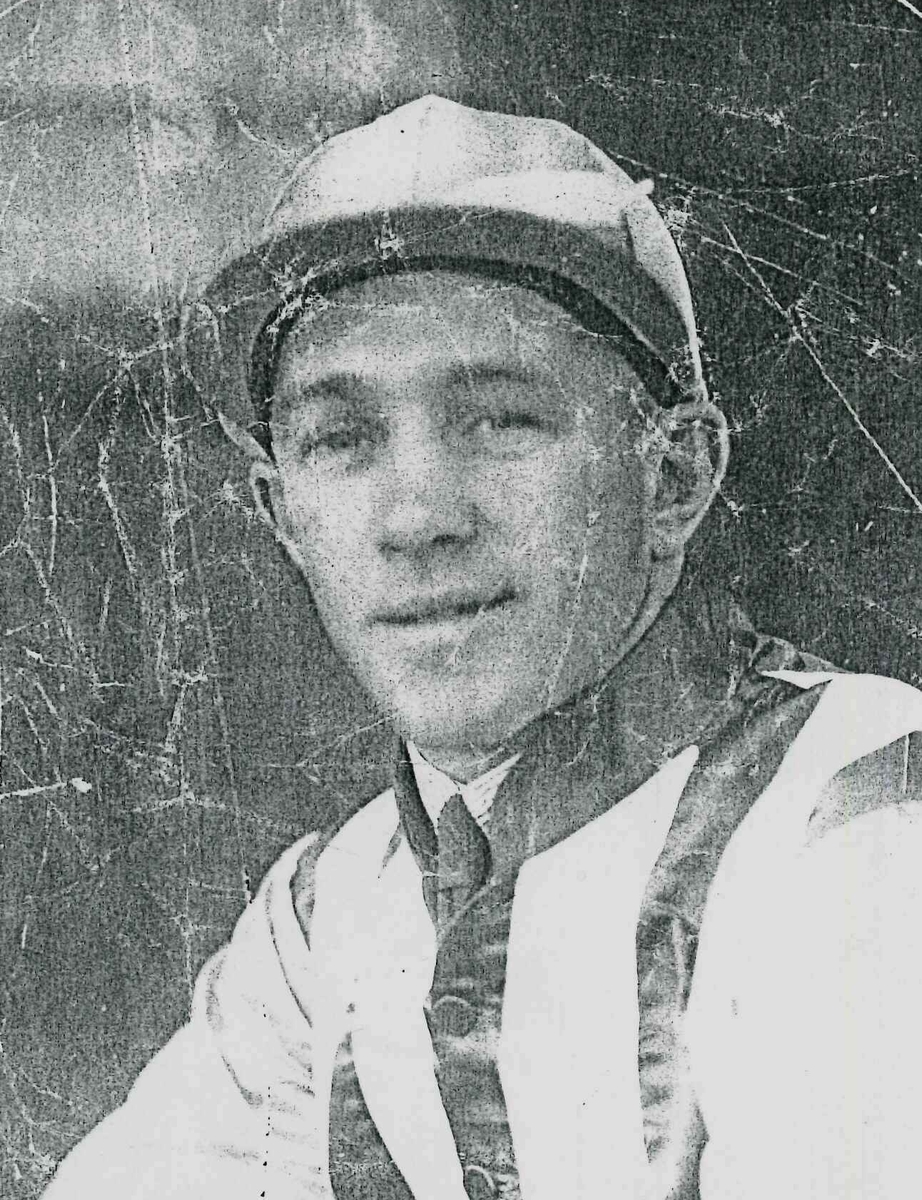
(425, 503)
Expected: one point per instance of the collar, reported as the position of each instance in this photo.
(436, 788)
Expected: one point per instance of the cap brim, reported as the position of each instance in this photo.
(221, 329)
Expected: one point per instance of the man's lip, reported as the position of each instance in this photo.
(442, 606)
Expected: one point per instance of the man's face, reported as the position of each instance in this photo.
(461, 478)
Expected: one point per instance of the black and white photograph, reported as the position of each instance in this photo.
(460, 616)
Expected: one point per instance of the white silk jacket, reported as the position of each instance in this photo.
(802, 1030)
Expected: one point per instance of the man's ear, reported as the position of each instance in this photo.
(242, 439)
(694, 447)
(265, 485)
(266, 489)
(269, 498)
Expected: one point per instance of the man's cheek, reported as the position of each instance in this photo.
(556, 536)
(333, 587)
(330, 558)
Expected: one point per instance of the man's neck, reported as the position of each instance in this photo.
(468, 760)
(666, 680)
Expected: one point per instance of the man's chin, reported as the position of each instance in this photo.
(462, 725)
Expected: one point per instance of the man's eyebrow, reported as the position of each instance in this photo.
(333, 386)
(336, 395)
(489, 371)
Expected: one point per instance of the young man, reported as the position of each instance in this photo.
(640, 915)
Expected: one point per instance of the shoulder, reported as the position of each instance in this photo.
(891, 774)
(325, 873)
(808, 979)
(837, 835)
(857, 716)
(333, 850)
(856, 689)
(338, 861)
(359, 845)
(847, 786)
(864, 837)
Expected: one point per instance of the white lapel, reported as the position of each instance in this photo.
(568, 1058)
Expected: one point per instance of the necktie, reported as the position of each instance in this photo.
(464, 861)
(466, 999)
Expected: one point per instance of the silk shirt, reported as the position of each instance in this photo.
(800, 1035)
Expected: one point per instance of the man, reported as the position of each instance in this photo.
(640, 915)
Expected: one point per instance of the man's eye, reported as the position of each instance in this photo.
(342, 439)
(511, 420)
(509, 429)
(341, 442)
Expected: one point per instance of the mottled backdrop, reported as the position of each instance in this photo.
(170, 716)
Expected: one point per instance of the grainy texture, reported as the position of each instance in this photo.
(171, 717)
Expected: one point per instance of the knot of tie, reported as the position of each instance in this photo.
(464, 860)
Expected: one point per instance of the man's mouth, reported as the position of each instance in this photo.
(439, 607)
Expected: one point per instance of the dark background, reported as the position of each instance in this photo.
(171, 718)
